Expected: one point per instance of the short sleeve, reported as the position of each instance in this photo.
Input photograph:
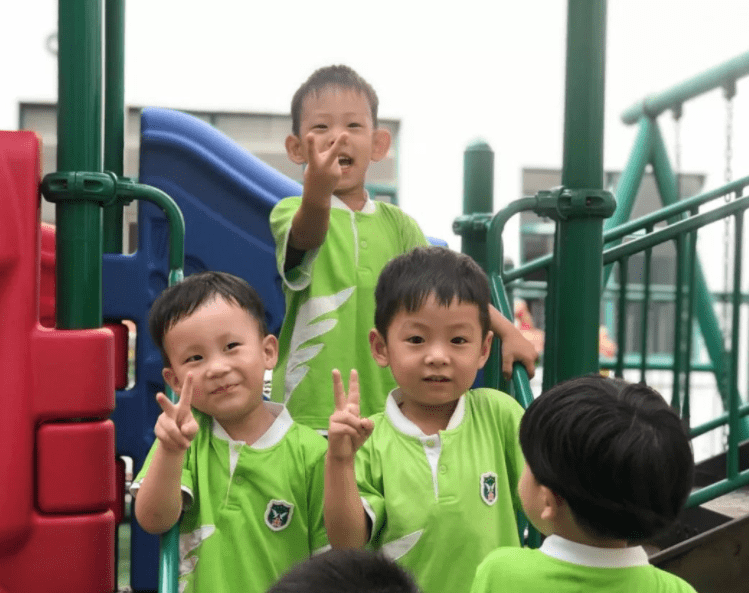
(370, 484)
(187, 477)
(411, 233)
(299, 277)
(318, 537)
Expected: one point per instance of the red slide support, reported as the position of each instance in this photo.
(57, 486)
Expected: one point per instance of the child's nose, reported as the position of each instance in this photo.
(436, 355)
(217, 367)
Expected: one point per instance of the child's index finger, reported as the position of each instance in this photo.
(339, 393)
(185, 396)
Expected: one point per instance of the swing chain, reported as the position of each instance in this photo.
(676, 111)
(728, 92)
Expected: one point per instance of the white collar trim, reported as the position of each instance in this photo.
(569, 551)
(272, 436)
(368, 208)
(404, 425)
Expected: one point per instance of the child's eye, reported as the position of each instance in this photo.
(193, 358)
(319, 127)
(355, 125)
(415, 340)
(459, 340)
(232, 345)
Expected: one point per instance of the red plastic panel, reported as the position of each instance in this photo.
(75, 467)
(73, 373)
(120, 332)
(64, 555)
(47, 277)
(19, 223)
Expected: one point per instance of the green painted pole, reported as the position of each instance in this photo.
(114, 115)
(478, 194)
(78, 237)
(579, 238)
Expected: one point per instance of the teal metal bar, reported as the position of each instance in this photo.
(621, 332)
(78, 237)
(732, 457)
(716, 77)
(689, 326)
(717, 422)
(579, 238)
(478, 195)
(114, 116)
(678, 325)
(718, 489)
(645, 312)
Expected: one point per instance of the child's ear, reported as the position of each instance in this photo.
(379, 348)
(552, 504)
(270, 351)
(486, 348)
(171, 378)
(380, 144)
(294, 149)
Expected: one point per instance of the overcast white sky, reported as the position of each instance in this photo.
(451, 72)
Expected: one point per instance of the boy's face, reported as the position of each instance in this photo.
(434, 353)
(221, 345)
(328, 115)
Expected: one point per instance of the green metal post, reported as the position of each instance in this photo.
(478, 194)
(114, 115)
(79, 244)
(579, 238)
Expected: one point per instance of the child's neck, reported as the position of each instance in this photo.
(354, 200)
(429, 419)
(567, 527)
(250, 428)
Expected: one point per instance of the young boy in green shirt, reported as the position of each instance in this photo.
(332, 243)
(607, 465)
(247, 480)
(434, 486)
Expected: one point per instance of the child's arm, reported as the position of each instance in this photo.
(345, 519)
(159, 500)
(515, 348)
(321, 176)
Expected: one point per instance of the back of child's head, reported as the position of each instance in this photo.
(346, 571)
(341, 77)
(407, 281)
(616, 452)
(184, 298)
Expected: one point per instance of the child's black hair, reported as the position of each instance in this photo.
(409, 279)
(331, 76)
(346, 571)
(616, 452)
(182, 299)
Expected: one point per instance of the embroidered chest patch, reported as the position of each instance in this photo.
(278, 514)
(489, 488)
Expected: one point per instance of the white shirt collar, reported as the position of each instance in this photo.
(272, 436)
(569, 551)
(404, 425)
(368, 208)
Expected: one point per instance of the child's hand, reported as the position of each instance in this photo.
(323, 172)
(515, 348)
(176, 426)
(346, 430)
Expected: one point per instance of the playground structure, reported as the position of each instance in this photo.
(60, 432)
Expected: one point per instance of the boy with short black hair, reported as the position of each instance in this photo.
(434, 486)
(248, 479)
(607, 464)
(346, 571)
(331, 244)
